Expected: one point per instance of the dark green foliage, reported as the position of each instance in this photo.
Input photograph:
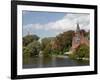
(64, 41)
(26, 52)
(34, 48)
(29, 38)
(81, 52)
(53, 46)
(31, 47)
(26, 55)
(45, 42)
(47, 50)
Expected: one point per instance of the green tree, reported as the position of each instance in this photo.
(45, 42)
(29, 38)
(34, 48)
(26, 52)
(67, 40)
(47, 51)
(64, 41)
(26, 55)
(81, 52)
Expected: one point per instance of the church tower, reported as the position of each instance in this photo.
(78, 28)
(78, 38)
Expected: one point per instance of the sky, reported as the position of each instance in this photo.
(50, 24)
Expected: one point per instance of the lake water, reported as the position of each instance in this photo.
(42, 62)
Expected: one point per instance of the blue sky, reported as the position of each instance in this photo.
(49, 24)
(40, 17)
(33, 17)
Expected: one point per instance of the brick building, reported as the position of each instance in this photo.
(78, 39)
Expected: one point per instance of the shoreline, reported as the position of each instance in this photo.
(60, 56)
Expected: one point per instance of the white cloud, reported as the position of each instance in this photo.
(68, 22)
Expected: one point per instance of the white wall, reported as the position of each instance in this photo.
(5, 29)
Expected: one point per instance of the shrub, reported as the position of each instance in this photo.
(34, 48)
(81, 52)
(26, 55)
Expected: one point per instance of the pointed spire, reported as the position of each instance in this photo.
(78, 28)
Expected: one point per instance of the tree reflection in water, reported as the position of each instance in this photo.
(52, 61)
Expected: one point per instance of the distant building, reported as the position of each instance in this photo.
(78, 39)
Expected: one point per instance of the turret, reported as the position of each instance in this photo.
(78, 28)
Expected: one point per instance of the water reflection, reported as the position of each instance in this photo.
(52, 61)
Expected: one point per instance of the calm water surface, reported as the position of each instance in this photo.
(42, 62)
